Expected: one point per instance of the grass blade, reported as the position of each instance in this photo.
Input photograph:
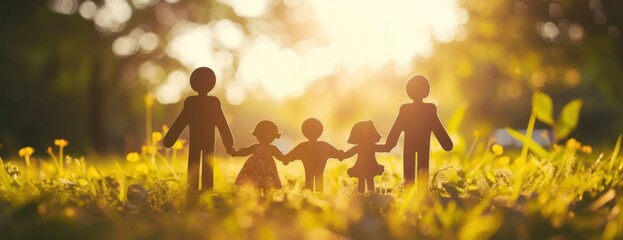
(532, 145)
(522, 157)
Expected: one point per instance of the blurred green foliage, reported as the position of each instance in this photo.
(507, 55)
(60, 78)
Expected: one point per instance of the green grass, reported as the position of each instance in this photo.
(570, 193)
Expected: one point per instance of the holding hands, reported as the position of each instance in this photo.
(231, 151)
(341, 155)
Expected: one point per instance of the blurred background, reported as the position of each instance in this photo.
(85, 70)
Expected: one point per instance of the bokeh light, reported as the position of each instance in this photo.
(370, 36)
(248, 8)
(87, 9)
(350, 36)
(66, 7)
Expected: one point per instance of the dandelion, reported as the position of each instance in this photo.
(179, 144)
(587, 149)
(497, 149)
(573, 143)
(61, 143)
(149, 99)
(156, 137)
(133, 157)
(25, 153)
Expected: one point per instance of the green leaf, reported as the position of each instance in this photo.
(457, 118)
(542, 103)
(532, 145)
(568, 119)
(615, 154)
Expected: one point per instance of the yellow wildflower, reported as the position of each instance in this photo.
(26, 152)
(149, 100)
(61, 142)
(573, 143)
(587, 149)
(133, 157)
(50, 151)
(497, 149)
(179, 144)
(156, 137)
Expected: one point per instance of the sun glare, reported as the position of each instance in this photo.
(366, 33)
(362, 33)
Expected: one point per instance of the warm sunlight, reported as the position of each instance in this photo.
(361, 34)
(366, 33)
(311, 119)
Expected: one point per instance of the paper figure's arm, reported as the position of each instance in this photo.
(382, 148)
(440, 132)
(394, 133)
(333, 152)
(244, 151)
(178, 126)
(351, 152)
(276, 152)
(223, 128)
(295, 154)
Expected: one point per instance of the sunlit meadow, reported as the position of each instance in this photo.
(491, 63)
(564, 191)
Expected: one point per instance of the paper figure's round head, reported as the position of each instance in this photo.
(202, 80)
(266, 131)
(364, 132)
(312, 128)
(418, 87)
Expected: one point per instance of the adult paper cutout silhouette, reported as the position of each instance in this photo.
(202, 114)
(314, 154)
(365, 136)
(417, 120)
(260, 169)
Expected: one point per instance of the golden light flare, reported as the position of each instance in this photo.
(361, 34)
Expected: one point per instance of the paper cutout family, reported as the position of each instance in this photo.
(203, 114)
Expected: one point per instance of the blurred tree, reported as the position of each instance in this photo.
(46, 66)
(64, 76)
(508, 49)
(61, 77)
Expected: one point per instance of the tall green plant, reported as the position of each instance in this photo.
(567, 119)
